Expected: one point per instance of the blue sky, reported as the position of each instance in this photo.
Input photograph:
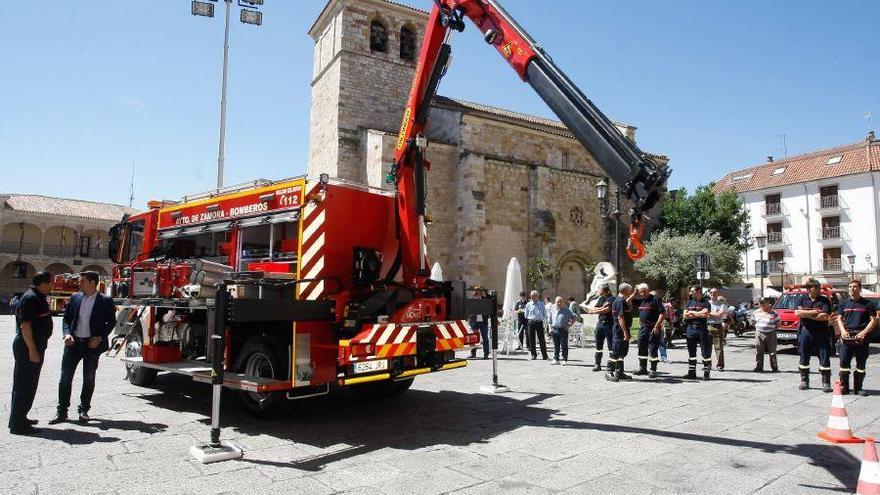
(86, 87)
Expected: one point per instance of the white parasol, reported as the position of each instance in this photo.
(437, 272)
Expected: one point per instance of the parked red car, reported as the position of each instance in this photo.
(787, 304)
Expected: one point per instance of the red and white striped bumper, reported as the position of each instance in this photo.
(399, 339)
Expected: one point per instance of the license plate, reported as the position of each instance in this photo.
(368, 366)
(786, 335)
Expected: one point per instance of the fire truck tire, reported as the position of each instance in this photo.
(138, 375)
(380, 390)
(259, 358)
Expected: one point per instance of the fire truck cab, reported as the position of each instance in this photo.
(304, 301)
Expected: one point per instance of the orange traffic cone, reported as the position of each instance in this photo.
(869, 476)
(838, 430)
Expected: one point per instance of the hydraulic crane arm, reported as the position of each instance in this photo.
(639, 176)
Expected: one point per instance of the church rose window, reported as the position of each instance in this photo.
(407, 44)
(576, 215)
(378, 37)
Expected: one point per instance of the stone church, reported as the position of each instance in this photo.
(501, 183)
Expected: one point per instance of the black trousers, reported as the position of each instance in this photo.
(603, 335)
(619, 346)
(25, 378)
(79, 351)
(850, 349)
(699, 337)
(649, 344)
(814, 343)
(536, 331)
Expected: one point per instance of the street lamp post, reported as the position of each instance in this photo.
(606, 210)
(248, 16)
(761, 240)
(852, 266)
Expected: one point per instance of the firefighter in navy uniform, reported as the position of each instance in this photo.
(814, 334)
(33, 320)
(622, 317)
(857, 318)
(650, 323)
(604, 323)
(695, 316)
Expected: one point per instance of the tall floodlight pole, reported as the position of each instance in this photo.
(248, 16)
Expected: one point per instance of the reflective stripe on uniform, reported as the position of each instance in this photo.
(823, 368)
(804, 367)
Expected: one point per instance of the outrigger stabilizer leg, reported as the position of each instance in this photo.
(216, 450)
(495, 388)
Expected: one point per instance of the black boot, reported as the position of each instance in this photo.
(610, 374)
(774, 365)
(805, 379)
(653, 373)
(844, 382)
(598, 366)
(692, 370)
(706, 372)
(643, 367)
(858, 381)
(619, 371)
(826, 381)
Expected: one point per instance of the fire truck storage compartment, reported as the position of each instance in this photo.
(268, 242)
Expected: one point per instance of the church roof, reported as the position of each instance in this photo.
(455, 103)
(34, 203)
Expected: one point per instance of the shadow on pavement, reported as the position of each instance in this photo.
(74, 437)
(420, 419)
(127, 425)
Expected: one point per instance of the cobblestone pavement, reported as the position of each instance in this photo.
(561, 429)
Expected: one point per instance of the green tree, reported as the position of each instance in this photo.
(670, 259)
(541, 274)
(705, 211)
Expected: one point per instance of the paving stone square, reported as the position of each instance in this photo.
(561, 429)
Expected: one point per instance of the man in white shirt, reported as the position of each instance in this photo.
(717, 316)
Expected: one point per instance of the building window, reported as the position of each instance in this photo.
(407, 43)
(378, 37)
(773, 204)
(775, 261)
(774, 233)
(831, 228)
(834, 160)
(576, 215)
(85, 243)
(828, 197)
(831, 260)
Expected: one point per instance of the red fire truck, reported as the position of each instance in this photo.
(297, 284)
(63, 286)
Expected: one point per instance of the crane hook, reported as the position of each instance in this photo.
(634, 247)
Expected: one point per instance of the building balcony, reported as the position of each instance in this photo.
(829, 204)
(773, 211)
(831, 265)
(59, 250)
(831, 236)
(775, 239)
(19, 247)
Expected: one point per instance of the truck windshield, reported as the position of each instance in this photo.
(788, 301)
(136, 238)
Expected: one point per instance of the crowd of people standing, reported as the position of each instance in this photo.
(706, 319)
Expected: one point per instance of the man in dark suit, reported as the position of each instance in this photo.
(88, 320)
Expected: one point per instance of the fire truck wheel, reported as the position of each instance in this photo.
(138, 375)
(258, 358)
